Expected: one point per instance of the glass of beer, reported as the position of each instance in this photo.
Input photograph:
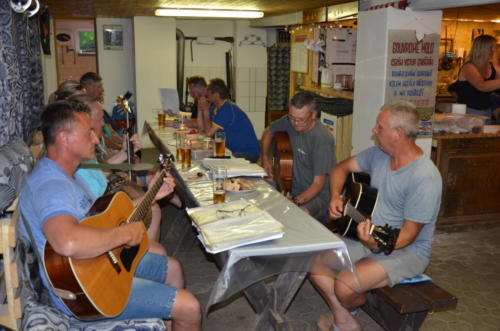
(220, 143)
(186, 153)
(161, 117)
(179, 138)
(219, 175)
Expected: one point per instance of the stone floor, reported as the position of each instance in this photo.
(466, 264)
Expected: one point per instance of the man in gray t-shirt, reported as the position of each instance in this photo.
(409, 187)
(313, 150)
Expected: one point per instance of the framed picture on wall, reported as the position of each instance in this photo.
(113, 37)
(85, 43)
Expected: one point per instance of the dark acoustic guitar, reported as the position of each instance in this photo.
(99, 287)
(361, 200)
(282, 161)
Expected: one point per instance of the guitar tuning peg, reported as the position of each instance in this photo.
(161, 158)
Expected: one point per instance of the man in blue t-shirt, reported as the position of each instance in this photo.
(409, 187)
(54, 202)
(225, 116)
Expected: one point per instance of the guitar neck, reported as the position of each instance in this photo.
(353, 213)
(145, 204)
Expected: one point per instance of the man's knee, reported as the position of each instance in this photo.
(344, 292)
(186, 307)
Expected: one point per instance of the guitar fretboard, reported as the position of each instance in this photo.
(354, 213)
(145, 203)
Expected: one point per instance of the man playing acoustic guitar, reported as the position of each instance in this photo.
(313, 150)
(409, 187)
(54, 202)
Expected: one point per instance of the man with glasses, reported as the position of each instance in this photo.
(313, 150)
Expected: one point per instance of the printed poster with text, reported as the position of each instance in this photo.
(412, 72)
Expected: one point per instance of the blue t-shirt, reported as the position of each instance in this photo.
(240, 134)
(49, 192)
(94, 179)
(412, 193)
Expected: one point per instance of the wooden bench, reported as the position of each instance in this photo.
(405, 306)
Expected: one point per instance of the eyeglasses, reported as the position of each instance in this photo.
(298, 120)
(221, 213)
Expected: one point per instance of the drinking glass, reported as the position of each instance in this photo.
(179, 138)
(160, 115)
(220, 143)
(185, 153)
(219, 175)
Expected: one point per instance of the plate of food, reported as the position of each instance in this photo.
(239, 185)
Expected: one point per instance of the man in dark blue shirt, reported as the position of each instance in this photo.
(225, 116)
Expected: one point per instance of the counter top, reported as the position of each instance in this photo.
(467, 135)
(330, 92)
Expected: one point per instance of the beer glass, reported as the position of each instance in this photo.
(179, 138)
(161, 117)
(219, 175)
(220, 143)
(185, 153)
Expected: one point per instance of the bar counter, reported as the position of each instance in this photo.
(470, 167)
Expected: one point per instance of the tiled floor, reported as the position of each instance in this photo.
(466, 264)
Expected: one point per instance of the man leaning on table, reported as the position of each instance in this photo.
(226, 116)
(313, 150)
(197, 87)
(409, 196)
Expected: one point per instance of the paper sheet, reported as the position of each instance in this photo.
(236, 167)
(232, 224)
(169, 99)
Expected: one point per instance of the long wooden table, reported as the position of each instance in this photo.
(247, 268)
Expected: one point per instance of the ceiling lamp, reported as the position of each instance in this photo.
(218, 13)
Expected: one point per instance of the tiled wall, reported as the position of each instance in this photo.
(251, 88)
(251, 91)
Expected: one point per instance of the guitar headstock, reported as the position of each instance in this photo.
(386, 237)
(123, 103)
(166, 161)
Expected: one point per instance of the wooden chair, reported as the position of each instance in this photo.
(10, 312)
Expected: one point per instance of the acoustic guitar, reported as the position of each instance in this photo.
(361, 200)
(282, 161)
(99, 287)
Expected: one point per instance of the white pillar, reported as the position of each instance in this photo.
(371, 65)
(155, 64)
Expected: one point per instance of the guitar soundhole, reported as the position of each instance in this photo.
(127, 255)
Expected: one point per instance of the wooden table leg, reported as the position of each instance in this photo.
(279, 297)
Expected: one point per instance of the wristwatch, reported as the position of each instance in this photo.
(295, 201)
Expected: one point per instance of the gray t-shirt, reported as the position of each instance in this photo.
(313, 154)
(412, 193)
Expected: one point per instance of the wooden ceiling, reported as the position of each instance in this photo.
(130, 8)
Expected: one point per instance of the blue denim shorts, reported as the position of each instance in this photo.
(150, 296)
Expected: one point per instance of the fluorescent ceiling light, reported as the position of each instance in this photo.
(208, 13)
